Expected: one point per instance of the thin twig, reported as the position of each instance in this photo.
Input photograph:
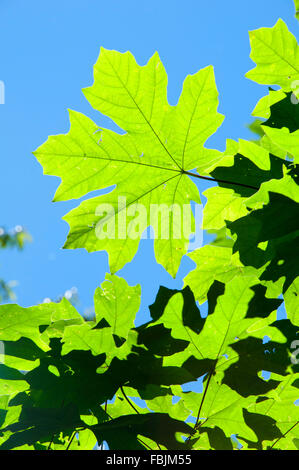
(146, 445)
(284, 435)
(71, 440)
(132, 406)
(196, 426)
(209, 178)
(51, 442)
(128, 400)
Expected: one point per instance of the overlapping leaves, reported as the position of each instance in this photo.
(67, 390)
(67, 382)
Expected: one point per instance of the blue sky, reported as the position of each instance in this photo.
(46, 57)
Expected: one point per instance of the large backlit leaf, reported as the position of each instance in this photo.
(146, 164)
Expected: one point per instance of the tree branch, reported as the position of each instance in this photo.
(209, 178)
(284, 435)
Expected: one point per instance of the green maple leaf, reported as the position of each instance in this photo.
(40, 425)
(122, 433)
(252, 167)
(102, 366)
(282, 111)
(230, 346)
(85, 338)
(147, 164)
(213, 263)
(291, 300)
(285, 186)
(284, 139)
(279, 405)
(212, 438)
(17, 322)
(223, 204)
(221, 407)
(116, 303)
(121, 406)
(11, 381)
(265, 242)
(263, 106)
(276, 53)
(23, 354)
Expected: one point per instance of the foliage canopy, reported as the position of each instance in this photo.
(67, 382)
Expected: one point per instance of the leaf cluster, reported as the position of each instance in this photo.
(183, 380)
